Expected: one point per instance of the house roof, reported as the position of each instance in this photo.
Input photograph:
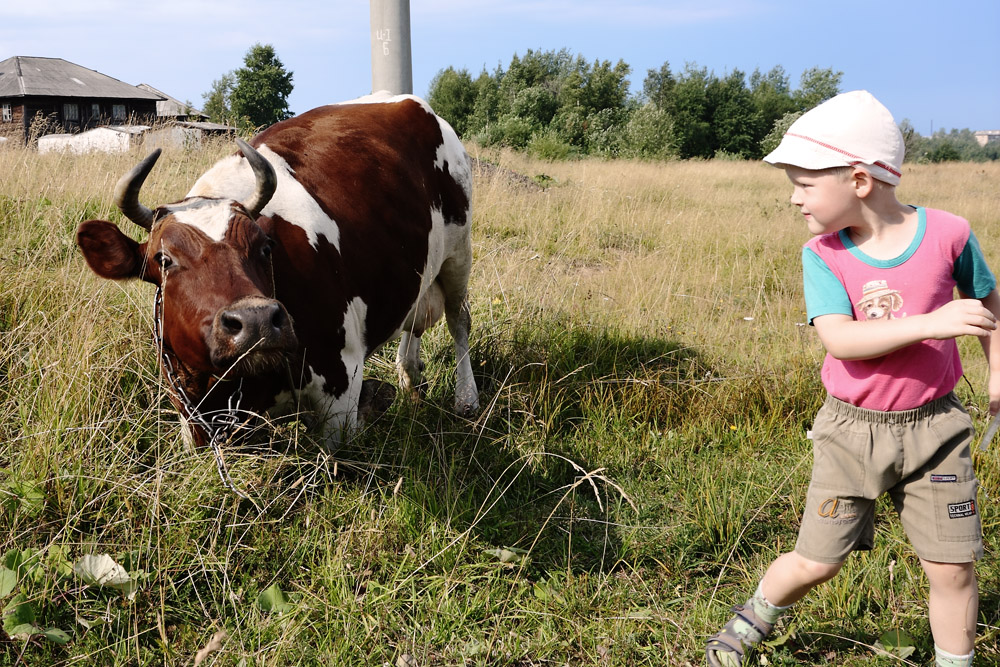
(171, 107)
(23, 76)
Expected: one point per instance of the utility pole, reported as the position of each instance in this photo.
(392, 66)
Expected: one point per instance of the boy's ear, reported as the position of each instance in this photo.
(863, 181)
(109, 253)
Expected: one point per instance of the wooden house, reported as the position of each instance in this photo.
(40, 96)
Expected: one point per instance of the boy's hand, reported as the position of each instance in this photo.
(962, 317)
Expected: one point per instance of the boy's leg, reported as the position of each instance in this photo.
(953, 605)
(788, 579)
(791, 576)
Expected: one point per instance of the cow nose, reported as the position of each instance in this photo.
(256, 322)
(251, 324)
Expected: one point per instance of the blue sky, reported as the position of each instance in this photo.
(936, 64)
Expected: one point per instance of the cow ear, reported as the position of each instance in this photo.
(266, 224)
(109, 253)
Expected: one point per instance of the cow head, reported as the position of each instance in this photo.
(212, 264)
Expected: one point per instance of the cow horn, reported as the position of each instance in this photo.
(267, 181)
(127, 192)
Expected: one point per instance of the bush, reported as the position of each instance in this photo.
(944, 152)
(603, 133)
(570, 124)
(511, 131)
(548, 145)
(649, 135)
(536, 104)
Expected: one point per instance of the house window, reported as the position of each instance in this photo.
(8, 114)
(71, 112)
(95, 111)
(118, 112)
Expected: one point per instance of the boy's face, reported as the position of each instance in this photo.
(827, 198)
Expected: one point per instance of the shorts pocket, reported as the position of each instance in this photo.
(839, 455)
(956, 508)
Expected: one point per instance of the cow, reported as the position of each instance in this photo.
(292, 261)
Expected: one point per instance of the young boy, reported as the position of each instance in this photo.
(879, 279)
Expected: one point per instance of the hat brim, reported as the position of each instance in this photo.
(796, 152)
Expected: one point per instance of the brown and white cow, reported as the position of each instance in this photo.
(289, 263)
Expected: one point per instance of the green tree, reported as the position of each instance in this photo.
(817, 86)
(605, 87)
(733, 117)
(911, 140)
(260, 95)
(691, 113)
(217, 99)
(452, 95)
(658, 87)
(772, 99)
(486, 108)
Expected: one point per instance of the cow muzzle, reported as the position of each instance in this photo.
(252, 336)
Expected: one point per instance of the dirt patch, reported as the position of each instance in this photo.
(489, 170)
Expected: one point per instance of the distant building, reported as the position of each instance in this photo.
(40, 96)
(184, 134)
(987, 136)
(108, 139)
(169, 108)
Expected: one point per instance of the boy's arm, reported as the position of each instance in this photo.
(848, 339)
(991, 346)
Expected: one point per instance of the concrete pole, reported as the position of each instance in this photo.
(392, 67)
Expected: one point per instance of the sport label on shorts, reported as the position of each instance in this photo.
(944, 478)
(961, 510)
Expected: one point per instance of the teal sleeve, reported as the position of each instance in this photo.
(825, 294)
(971, 273)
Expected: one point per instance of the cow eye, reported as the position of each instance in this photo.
(265, 249)
(163, 260)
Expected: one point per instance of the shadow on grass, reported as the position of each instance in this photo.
(542, 470)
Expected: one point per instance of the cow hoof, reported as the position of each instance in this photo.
(376, 398)
(467, 410)
(414, 394)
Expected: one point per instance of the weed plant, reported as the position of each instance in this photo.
(647, 380)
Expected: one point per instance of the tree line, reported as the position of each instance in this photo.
(557, 105)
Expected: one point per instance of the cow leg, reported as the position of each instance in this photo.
(454, 280)
(408, 364)
(466, 393)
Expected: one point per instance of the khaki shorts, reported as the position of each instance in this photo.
(919, 457)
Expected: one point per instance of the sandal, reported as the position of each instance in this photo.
(744, 630)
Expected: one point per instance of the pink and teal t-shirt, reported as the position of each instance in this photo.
(840, 278)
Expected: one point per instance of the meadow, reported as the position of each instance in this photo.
(647, 380)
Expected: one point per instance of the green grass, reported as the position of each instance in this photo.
(639, 460)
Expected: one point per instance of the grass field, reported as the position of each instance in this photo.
(646, 380)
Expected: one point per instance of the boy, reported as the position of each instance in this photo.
(890, 423)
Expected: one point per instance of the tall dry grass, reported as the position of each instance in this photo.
(646, 383)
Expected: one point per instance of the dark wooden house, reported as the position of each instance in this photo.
(41, 96)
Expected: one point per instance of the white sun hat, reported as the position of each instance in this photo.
(846, 130)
